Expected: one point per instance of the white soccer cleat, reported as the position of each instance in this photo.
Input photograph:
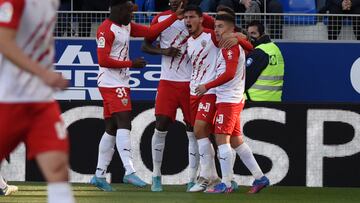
(201, 185)
(10, 189)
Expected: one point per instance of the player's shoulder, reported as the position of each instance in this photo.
(231, 53)
(161, 14)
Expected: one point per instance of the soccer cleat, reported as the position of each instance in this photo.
(234, 185)
(220, 188)
(10, 189)
(156, 184)
(134, 180)
(101, 184)
(189, 186)
(258, 185)
(201, 185)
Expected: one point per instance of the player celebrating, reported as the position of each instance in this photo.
(113, 38)
(27, 84)
(173, 90)
(229, 84)
(6, 189)
(202, 51)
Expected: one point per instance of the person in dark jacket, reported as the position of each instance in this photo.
(335, 22)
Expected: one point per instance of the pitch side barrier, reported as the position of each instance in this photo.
(315, 145)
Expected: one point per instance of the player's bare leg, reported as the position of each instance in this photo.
(6, 189)
(55, 168)
(123, 144)
(247, 157)
(208, 172)
(105, 155)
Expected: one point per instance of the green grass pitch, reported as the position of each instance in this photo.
(30, 192)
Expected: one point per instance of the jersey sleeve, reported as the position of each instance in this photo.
(208, 21)
(231, 57)
(138, 30)
(105, 39)
(11, 12)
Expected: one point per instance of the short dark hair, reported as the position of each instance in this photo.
(227, 18)
(259, 26)
(226, 9)
(195, 8)
(116, 2)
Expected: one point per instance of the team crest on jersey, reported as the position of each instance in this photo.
(101, 42)
(230, 54)
(125, 101)
(6, 12)
(203, 43)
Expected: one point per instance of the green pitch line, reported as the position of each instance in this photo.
(30, 192)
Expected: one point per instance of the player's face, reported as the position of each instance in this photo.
(222, 27)
(253, 32)
(192, 21)
(174, 4)
(126, 12)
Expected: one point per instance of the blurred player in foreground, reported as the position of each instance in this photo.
(229, 87)
(113, 38)
(27, 84)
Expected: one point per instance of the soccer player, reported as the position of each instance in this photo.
(202, 51)
(27, 84)
(173, 90)
(6, 189)
(229, 87)
(113, 37)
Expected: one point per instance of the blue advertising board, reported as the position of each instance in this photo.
(314, 72)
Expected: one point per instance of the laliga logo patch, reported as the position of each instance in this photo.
(249, 61)
(230, 54)
(101, 42)
(203, 43)
(6, 12)
(125, 101)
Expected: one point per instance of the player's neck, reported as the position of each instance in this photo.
(198, 32)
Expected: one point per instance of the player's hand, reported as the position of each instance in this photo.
(180, 11)
(246, 3)
(139, 63)
(172, 52)
(54, 80)
(200, 90)
(228, 40)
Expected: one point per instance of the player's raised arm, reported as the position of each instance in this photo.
(13, 53)
(138, 30)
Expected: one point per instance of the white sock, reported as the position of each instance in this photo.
(225, 158)
(248, 159)
(214, 174)
(206, 152)
(60, 193)
(234, 158)
(106, 152)
(157, 150)
(2, 183)
(193, 156)
(123, 144)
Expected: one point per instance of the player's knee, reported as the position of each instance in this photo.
(200, 132)
(58, 172)
(162, 123)
(221, 139)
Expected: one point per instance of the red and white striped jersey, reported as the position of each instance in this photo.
(202, 52)
(176, 68)
(233, 90)
(34, 22)
(115, 39)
